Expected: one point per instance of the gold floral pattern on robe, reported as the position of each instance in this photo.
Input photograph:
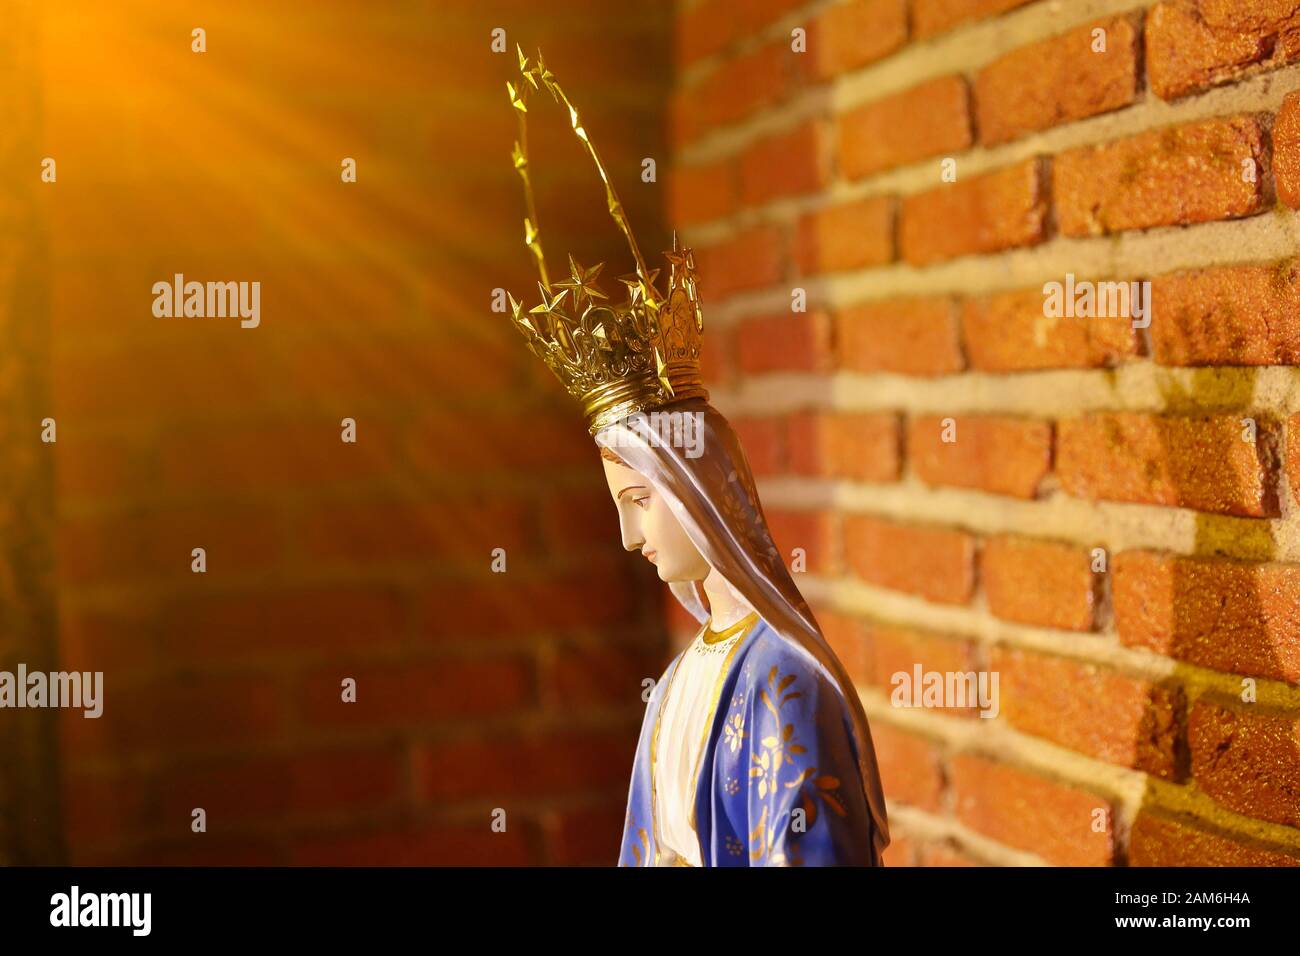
(781, 749)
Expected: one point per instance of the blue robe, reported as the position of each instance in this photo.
(778, 782)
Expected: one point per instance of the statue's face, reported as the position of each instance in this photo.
(649, 526)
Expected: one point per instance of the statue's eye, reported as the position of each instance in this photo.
(643, 501)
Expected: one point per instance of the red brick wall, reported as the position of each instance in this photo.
(327, 560)
(1121, 690)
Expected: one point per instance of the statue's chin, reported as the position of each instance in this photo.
(669, 577)
(666, 574)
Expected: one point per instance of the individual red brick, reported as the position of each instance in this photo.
(1163, 177)
(1031, 813)
(98, 808)
(901, 851)
(157, 544)
(897, 653)
(1248, 759)
(701, 193)
(1165, 839)
(716, 363)
(846, 36)
(910, 336)
(118, 382)
(764, 441)
(1000, 210)
(474, 845)
(1199, 462)
(1286, 150)
(851, 235)
(578, 519)
(609, 674)
(221, 851)
(572, 762)
(586, 836)
(754, 16)
(254, 624)
(1105, 714)
(935, 16)
(787, 341)
(1008, 332)
(1227, 315)
(459, 611)
(747, 260)
(416, 692)
(847, 636)
(93, 468)
(117, 637)
(936, 563)
(362, 535)
(785, 164)
(703, 29)
(1058, 80)
(254, 787)
(811, 531)
(1002, 455)
(746, 83)
(1039, 582)
(909, 766)
(181, 714)
(1231, 616)
(1193, 44)
(320, 368)
(931, 119)
(507, 443)
(273, 456)
(862, 446)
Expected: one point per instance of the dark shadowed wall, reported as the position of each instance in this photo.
(325, 560)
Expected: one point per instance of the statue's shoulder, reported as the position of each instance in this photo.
(770, 655)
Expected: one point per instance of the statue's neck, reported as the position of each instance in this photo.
(726, 607)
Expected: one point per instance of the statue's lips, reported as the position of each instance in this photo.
(650, 555)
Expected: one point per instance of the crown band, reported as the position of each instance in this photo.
(618, 401)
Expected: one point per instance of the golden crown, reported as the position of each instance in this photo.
(617, 359)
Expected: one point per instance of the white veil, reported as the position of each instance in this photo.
(690, 453)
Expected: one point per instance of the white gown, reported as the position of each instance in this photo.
(685, 720)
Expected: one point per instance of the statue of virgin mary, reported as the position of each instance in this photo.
(755, 749)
